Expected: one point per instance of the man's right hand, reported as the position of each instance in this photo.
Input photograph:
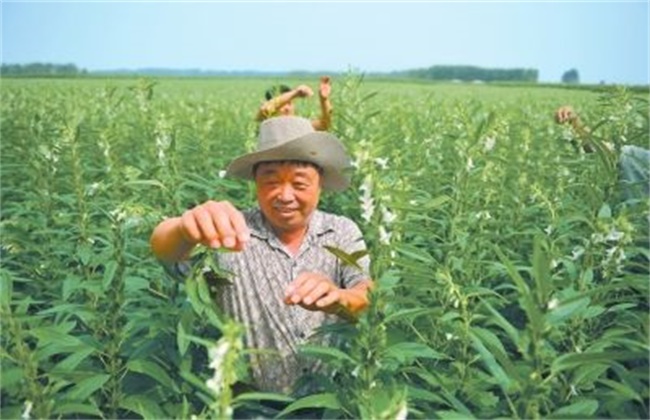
(303, 91)
(215, 224)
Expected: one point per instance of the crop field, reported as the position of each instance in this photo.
(512, 275)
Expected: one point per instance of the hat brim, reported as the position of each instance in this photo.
(320, 148)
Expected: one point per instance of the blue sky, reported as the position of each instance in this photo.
(605, 41)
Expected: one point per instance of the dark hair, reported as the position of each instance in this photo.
(275, 91)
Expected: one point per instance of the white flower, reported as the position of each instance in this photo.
(384, 236)
(470, 164)
(483, 215)
(92, 189)
(216, 354)
(382, 162)
(614, 235)
(489, 143)
(214, 383)
(549, 229)
(403, 411)
(577, 252)
(367, 202)
(28, 410)
(597, 238)
(387, 216)
(222, 174)
(552, 304)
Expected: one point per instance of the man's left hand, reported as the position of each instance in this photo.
(314, 292)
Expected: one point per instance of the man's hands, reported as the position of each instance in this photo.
(215, 224)
(325, 88)
(565, 114)
(303, 91)
(316, 292)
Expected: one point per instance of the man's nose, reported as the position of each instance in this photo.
(286, 193)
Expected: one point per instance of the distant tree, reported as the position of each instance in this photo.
(571, 77)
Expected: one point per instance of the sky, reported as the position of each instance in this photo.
(606, 41)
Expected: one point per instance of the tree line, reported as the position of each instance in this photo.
(41, 69)
(471, 73)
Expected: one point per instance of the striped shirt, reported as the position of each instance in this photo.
(261, 273)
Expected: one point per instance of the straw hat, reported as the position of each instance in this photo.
(294, 138)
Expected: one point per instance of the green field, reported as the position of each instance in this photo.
(512, 276)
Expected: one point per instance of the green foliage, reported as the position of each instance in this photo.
(511, 279)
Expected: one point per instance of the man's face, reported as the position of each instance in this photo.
(288, 193)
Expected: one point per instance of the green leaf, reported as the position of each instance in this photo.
(74, 408)
(409, 314)
(109, 272)
(152, 370)
(327, 352)
(57, 334)
(415, 393)
(407, 351)
(10, 376)
(495, 369)
(324, 400)
(71, 362)
(87, 387)
(144, 406)
(261, 396)
(528, 304)
(563, 311)
(541, 271)
(453, 415)
(145, 183)
(6, 289)
(414, 253)
(581, 409)
(181, 339)
(622, 390)
(605, 212)
(574, 360)
(345, 258)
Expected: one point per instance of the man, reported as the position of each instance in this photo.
(279, 101)
(633, 163)
(285, 283)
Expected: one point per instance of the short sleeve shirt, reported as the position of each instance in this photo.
(261, 273)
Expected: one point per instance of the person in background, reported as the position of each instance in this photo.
(633, 161)
(285, 283)
(279, 101)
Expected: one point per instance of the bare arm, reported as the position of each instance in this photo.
(270, 107)
(325, 121)
(213, 224)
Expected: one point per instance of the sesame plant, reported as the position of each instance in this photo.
(511, 273)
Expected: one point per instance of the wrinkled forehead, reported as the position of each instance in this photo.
(295, 166)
